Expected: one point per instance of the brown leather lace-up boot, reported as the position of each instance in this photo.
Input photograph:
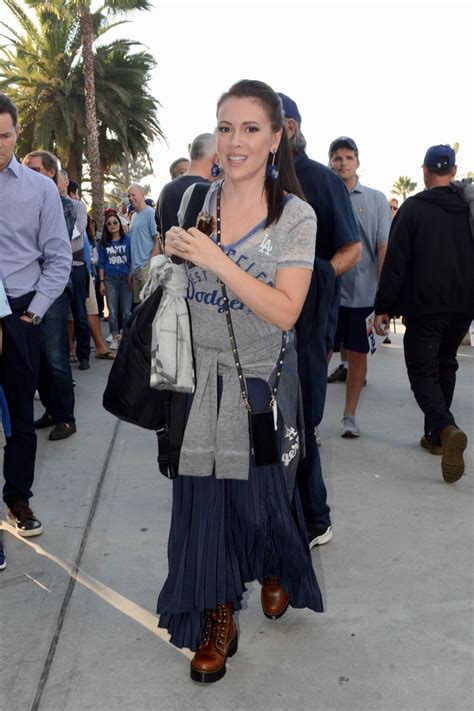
(219, 642)
(274, 599)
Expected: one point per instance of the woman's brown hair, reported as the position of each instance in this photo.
(287, 182)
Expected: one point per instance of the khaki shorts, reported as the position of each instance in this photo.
(140, 278)
(92, 307)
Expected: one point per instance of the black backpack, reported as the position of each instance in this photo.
(128, 394)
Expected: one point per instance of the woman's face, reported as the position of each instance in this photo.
(113, 225)
(244, 138)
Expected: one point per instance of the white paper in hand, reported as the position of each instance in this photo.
(372, 337)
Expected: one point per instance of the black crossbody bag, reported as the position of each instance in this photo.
(262, 425)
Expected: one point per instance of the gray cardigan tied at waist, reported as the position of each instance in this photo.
(220, 436)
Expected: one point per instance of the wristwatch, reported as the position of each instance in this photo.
(35, 319)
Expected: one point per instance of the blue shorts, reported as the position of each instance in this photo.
(351, 332)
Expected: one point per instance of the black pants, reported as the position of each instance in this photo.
(431, 343)
(80, 291)
(19, 366)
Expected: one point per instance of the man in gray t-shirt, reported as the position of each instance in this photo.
(358, 286)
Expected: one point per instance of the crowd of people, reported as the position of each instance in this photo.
(298, 256)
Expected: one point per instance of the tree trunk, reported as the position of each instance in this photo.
(126, 170)
(93, 154)
(74, 159)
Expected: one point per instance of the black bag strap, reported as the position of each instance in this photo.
(192, 211)
(195, 204)
(230, 326)
(167, 458)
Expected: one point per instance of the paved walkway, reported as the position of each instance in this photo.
(78, 630)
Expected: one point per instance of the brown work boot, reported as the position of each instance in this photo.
(219, 642)
(430, 446)
(453, 442)
(274, 599)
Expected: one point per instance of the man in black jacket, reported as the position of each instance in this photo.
(428, 276)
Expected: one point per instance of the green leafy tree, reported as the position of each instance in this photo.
(130, 171)
(403, 186)
(44, 67)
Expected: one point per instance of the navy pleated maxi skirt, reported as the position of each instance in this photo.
(228, 532)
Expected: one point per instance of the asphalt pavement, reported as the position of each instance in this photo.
(78, 628)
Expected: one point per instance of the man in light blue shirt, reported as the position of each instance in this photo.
(358, 286)
(143, 238)
(35, 263)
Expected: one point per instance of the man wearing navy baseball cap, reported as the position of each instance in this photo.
(337, 250)
(440, 158)
(428, 276)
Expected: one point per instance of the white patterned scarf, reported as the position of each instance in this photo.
(171, 347)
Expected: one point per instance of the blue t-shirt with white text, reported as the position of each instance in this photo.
(115, 258)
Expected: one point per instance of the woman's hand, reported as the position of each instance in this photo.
(193, 246)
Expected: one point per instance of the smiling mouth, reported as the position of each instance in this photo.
(236, 159)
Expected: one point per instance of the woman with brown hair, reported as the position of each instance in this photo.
(115, 273)
(236, 512)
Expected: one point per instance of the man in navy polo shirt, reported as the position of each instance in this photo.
(337, 250)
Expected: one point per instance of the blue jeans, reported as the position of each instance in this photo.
(119, 297)
(80, 291)
(312, 369)
(55, 379)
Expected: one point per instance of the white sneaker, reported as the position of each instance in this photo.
(349, 427)
(317, 436)
(318, 536)
(109, 338)
(114, 344)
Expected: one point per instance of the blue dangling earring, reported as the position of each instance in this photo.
(215, 170)
(272, 170)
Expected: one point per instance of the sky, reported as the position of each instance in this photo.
(396, 77)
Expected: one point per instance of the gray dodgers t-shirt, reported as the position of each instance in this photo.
(290, 242)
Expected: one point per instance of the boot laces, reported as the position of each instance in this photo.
(216, 626)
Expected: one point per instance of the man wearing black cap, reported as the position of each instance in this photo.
(428, 276)
(337, 251)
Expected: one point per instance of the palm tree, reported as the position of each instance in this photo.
(38, 67)
(49, 75)
(121, 176)
(93, 153)
(403, 186)
(115, 7)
